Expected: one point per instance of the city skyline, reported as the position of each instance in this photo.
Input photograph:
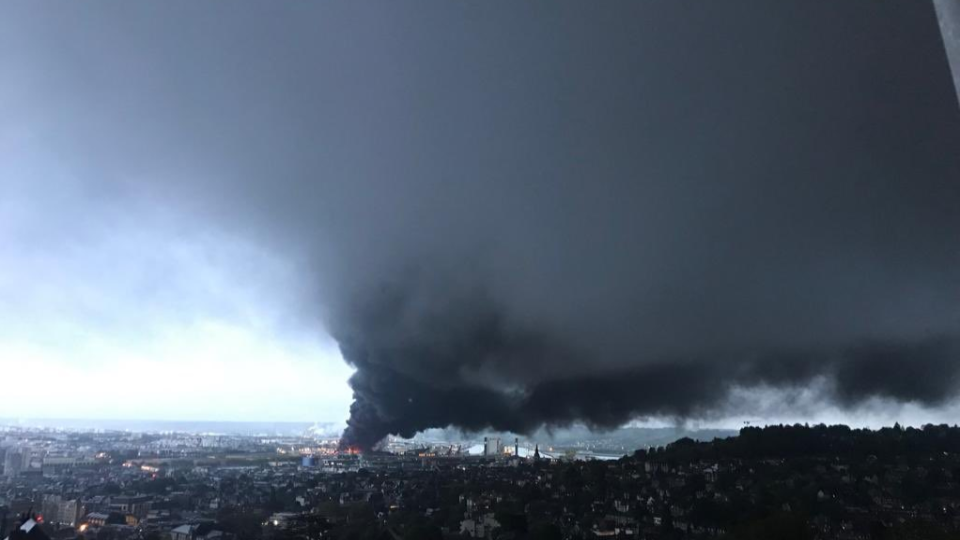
(479, 270)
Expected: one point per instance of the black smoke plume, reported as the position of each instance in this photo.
(514, 214)
(434, 376)
(652, 252)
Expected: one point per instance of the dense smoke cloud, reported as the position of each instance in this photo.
(749, 236)
(515, 215)
(427, 366)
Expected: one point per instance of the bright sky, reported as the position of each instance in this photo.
(207, 370)
(112, 311)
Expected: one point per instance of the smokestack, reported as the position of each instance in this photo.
(948, 14)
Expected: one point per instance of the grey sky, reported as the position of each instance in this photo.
(621, 186)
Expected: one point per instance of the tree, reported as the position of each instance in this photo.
(423, 531)
(545, 531)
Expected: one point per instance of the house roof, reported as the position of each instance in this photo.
(29, 530)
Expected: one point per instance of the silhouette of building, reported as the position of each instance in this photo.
(27, 528)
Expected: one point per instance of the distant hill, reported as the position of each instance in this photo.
(793, 441)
